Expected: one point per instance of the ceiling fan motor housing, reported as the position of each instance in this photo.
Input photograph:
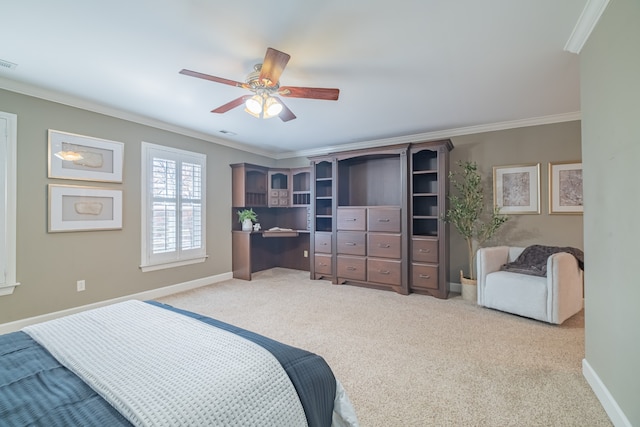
(264, 85)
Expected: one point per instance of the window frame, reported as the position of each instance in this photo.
(179, 257)
(8, 205)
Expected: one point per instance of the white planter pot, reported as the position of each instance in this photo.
(469, 288)
(469, 292)
(247, 225)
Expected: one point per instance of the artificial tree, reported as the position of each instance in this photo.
(467, 210)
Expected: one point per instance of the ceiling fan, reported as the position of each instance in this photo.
(264, 82)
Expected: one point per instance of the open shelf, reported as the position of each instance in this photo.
(301, 187)
(370, 180)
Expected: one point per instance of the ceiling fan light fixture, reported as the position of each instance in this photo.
(254, 105)
(272, 108)
(263, 106)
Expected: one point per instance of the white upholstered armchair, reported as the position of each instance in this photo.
(552, 299)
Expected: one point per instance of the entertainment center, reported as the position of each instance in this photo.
(370, 217)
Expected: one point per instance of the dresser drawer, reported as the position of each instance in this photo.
(322, 243)
(425, 250)
(424, 276)
(384, 271)
(352, 219)
(279, 193)
(384, 219)
(351, 243)
(322, 264)
(384, 245)
(352, 268)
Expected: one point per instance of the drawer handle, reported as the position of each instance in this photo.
(383, 220)
(424, 251)
(324, 244)
(384, 245)
(425, 276)
(350, 268)
(351, 219)
(350, 243)
(323, 265)
(387, 272)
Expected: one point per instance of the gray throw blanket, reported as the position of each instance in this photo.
(533, 259)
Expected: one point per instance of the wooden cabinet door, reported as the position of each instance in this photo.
(384, 219)
(424, 276)
(352, 219)
(351, 267)
(323, 264)
(383, 245)
(322, 243)
(352, 243)
(425, 250)
(385, 271)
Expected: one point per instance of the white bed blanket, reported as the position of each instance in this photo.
(160, 368)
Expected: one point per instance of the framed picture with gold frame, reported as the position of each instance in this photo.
(565, 188)
(516, 189)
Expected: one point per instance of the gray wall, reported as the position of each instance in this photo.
(610, 94)
(49, 264)
(294, 162)
(529, 145)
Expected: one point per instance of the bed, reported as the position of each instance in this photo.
(150, 364)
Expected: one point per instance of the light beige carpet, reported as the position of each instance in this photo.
(416, 360)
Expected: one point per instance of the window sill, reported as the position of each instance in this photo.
(7, 289)
(172, 264)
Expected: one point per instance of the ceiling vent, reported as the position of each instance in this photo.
(8, 65)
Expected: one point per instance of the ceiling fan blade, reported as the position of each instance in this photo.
(231, 105)
(286, 114)
(309, 92)
(214, 78)
(273, 66)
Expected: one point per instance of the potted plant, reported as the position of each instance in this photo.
(467, 214)
(247, 217)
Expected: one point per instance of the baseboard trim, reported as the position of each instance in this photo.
(5, 328)
(609, 404)
(455, 287)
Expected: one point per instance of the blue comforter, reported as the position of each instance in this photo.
(36, 390)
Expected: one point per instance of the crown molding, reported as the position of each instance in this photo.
(431, 136)
(73, 101)
(586, 23)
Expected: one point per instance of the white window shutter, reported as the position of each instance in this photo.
(175, 206)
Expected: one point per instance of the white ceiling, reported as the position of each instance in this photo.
(405, 67)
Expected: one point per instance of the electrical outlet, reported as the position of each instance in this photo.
(80, 285)
(306, 254)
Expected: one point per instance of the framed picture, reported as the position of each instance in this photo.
(76, 208)
(565, 188)
(84, 158)
(516, 189)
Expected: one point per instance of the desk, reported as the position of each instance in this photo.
(256, 251)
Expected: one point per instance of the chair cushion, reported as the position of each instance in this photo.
(516, 293)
